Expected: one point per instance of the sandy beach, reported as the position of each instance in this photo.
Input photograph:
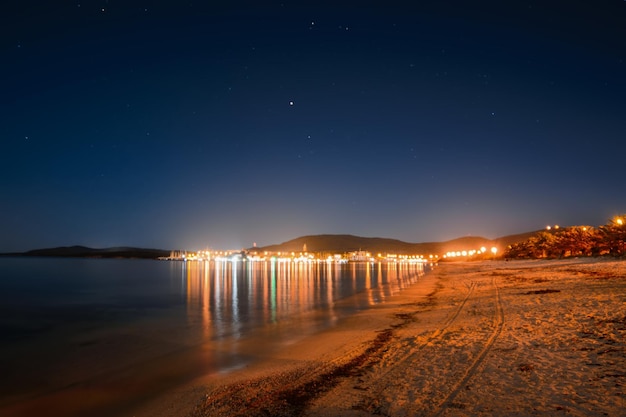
(515, 338)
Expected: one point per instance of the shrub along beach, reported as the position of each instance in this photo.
(556, 242)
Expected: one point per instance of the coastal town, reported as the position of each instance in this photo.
(298, 257)
(320, 257)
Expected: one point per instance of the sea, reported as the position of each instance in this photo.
(105, 334)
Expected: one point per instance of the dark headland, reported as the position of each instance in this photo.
(86, 252)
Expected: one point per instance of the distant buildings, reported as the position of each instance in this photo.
(360, 256)
(304, 256)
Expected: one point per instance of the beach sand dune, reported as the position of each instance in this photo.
(515, 338)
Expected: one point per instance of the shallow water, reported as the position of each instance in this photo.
(118, 331)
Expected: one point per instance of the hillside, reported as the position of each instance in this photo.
(85, 252)
(348, 243)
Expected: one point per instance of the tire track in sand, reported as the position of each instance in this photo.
(472, 370)
(437, 333)
(400, 357)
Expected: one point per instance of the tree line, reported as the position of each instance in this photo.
(608, 239)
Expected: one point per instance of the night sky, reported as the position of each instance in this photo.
(191, 124)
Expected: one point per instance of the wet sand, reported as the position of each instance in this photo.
(490, 338)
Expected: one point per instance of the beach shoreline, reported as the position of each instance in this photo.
(532, 337)
(475, 338)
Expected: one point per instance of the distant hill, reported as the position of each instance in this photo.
(349, 243)
(85, 252)
(314, 243)
(505, 241)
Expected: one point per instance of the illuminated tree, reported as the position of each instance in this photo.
(575, 241)
(544, 244)
(614, 236)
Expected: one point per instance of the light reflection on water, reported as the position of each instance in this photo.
(229, 299)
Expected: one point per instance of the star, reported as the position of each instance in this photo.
(291, 103)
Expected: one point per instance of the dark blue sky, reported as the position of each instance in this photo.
(192, 125)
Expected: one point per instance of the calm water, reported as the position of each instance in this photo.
(148, 325)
